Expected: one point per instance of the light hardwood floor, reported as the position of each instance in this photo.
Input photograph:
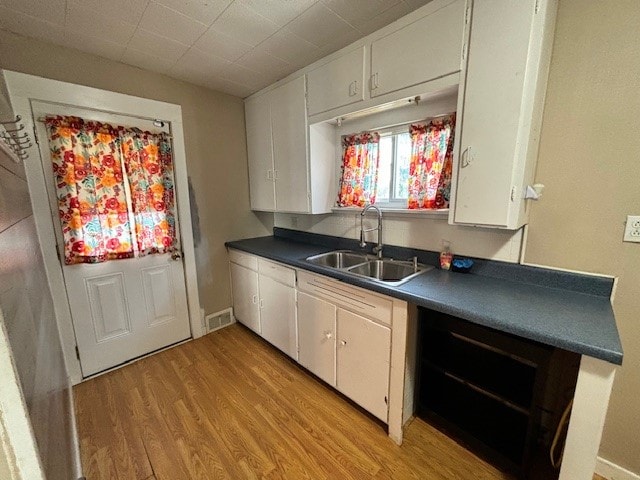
(230, 406)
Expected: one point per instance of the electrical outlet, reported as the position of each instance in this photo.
(632, 229)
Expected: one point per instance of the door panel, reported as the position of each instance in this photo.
(317, 337)
(108, 306)
(121, 309)
(244, 284)
(362, 362)
(158, 289)
(278, 315)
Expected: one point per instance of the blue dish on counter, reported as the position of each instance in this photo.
(462, 265)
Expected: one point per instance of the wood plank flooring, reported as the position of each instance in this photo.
(230, 406)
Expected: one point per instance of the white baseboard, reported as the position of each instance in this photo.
(611, 471)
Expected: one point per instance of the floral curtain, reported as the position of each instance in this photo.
(431, 163)
(148, 161)
(90, 190)
(95, 196)
(358, 184)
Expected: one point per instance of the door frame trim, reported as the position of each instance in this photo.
(24, 88)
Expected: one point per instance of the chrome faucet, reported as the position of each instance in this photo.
(377, 249)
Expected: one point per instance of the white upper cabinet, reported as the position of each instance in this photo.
(506, 76)
(276, 125)
(429, 48)
(283, 175)
(260, 153)
(289, 130)
(337, 83)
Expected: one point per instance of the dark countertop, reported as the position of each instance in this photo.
(561, 317)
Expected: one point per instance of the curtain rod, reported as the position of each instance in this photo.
(43, 120)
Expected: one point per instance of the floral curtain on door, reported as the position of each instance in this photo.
(431, 163)
(96, 198)
(148, 161)
(90, 190)
(358, 185)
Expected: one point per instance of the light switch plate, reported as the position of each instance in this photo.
(632, 229)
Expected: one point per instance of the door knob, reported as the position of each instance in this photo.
(176, 256)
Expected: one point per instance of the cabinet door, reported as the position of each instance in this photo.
(244, 285)
(424, 50)
(278, 315)
(362, 362)
(493, 99)
(317, 337)
(289, 123)
(260, 153)
(337, 83)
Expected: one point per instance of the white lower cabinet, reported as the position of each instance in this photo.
(278, 314)
(317, 337)
(344, 337)
(340, 333)
(362, 362)
(264, 299)
(244, 282)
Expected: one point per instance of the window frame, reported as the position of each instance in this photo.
(393, 201)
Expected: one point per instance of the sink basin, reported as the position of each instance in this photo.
(391, 272)
(339, 259)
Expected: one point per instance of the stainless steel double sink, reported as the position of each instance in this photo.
(387, 271)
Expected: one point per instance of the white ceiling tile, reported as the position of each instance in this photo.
(157, 46)
(290, 48)
(359, 11)
(264, 63)
(240, 22)
(227, 86)
(415, 4)
(147, 61)
(383, 19)
(319, 25)
(86, 21)
(128, 11)
(96, 46)
(245, 76)
(340, 41)
(205, 11)
(53, 11)
(23, 24)
(200, 64)
(222, 45)
(171, 24)
(279, 11)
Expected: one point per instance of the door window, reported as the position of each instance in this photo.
(114, 187)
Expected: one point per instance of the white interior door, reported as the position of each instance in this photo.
(125, 308)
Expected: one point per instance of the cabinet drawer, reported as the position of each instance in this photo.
(244, 259)
(284, 275)
(351, 298)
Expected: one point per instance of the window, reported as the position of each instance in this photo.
(408, 166)
(393, 169)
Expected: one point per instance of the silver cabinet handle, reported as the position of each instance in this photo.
(467, 158)
(353, 88)
(254, 299)
(328, 335)
(343, 342)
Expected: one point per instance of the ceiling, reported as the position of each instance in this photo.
(234, 46)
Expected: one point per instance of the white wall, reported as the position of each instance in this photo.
(28, 318)
(417, 232)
